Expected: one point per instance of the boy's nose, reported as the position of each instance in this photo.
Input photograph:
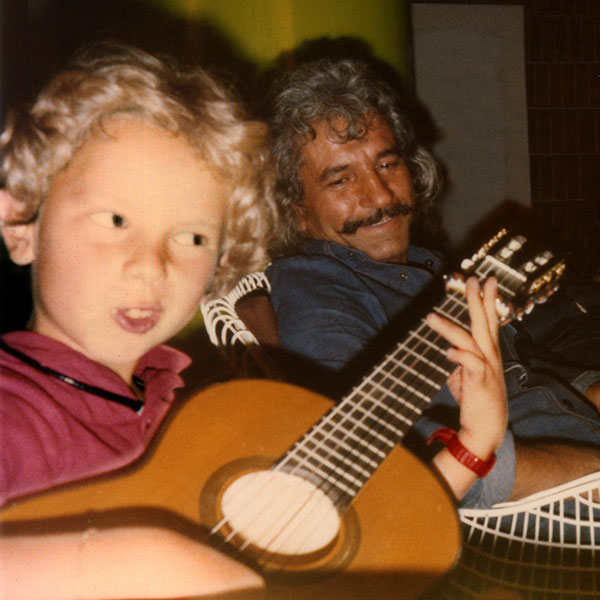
(147, 261)
(375, 191)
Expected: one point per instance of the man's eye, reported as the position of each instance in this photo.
(188, 238)
(337, 182)
(389, 164)
(108, 219)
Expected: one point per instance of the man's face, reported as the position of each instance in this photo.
(357, 193)
(126, 243)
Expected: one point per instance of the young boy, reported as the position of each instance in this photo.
(134, 189)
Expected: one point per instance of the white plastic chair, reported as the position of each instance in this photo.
(543, 547)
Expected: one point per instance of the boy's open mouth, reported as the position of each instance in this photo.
(137, 319)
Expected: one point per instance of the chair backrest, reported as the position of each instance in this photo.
(244, 315)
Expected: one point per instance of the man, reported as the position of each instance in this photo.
(351, 179)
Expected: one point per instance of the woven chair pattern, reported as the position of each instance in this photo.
(221, 320)
(543, 547)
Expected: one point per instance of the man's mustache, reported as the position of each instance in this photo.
(392, 210)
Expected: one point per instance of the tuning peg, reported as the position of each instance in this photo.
(544, 258)
(519, 313)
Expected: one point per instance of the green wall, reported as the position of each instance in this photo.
(262, 29)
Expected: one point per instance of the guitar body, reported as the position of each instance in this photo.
(399, 535)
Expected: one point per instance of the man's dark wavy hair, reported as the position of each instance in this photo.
(327, 90)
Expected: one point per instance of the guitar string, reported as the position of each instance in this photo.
(460, 308)
(370, 429)
(311, 469)
(326, 480)
(304, 460)
(516, 279)
(373, 431)
(290, 531)
(370, 381)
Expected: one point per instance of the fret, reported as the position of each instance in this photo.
(413, 372)
(353, 457)
(386, 407)
(364, 431)
(459, 301)
(438, 370)
(328, 438)
(458, 312)
(397, 382)
(398, 410)
(326, 459)
(339, 445)
(349, 416)
(345, 437)
(336, 445)
(380, 423)
(341, 434)
(448, 316)
(441, 352)
(366, 409)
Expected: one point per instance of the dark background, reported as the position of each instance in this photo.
(562, 43)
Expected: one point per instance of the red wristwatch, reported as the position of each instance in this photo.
(449, 438)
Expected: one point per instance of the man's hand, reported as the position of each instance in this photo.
(477, 383)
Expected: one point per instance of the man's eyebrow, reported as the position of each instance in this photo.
(392, 151)
(330, 172)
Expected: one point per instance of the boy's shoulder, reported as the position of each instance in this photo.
(35, 365)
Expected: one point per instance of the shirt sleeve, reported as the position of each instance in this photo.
(499, 483)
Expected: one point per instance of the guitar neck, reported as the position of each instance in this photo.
(347, 445)
(344, 448)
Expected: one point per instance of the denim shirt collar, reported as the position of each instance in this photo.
(408, 277)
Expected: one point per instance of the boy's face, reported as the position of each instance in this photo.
(126, 243)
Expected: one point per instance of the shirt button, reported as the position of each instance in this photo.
(350, 253)
(403, 276)
(429, 263)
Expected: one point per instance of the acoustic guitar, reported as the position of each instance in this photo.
(320, 498)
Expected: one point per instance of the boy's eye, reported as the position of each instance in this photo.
(187, 238)
(109, 219)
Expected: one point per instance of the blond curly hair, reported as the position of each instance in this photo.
(108, 80)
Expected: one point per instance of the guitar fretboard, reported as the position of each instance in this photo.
(345, 447)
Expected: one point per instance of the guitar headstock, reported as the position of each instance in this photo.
(526, 273)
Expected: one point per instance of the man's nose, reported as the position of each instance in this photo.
(375, 192)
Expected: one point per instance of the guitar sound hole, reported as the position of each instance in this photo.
(280, 513)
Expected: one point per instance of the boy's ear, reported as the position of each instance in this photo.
(223, 258)
(19, 239)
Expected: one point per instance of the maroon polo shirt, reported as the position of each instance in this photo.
(53, 433)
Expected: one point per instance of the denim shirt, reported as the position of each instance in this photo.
(331, 301)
